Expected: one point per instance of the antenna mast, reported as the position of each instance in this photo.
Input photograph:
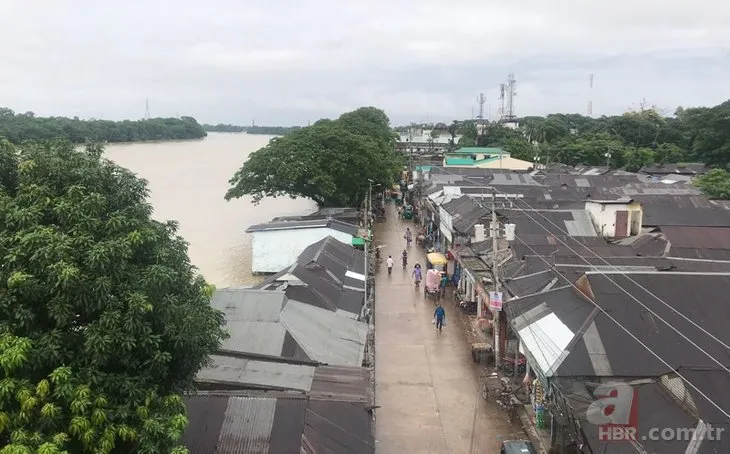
(511, 89)
(481, 100)
(590, 95)
(502, 88)
(147, 108)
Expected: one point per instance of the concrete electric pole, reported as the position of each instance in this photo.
(495, 245)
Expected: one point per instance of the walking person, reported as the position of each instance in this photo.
(444, 282)
(440, 317)
(417, 273)
(390, 265)
(408, 236)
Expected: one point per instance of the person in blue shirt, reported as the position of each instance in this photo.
(444, 282)
(440, 316)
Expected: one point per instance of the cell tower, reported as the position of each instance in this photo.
(590, 95)
(147, 109)
(481, 100)
(502, 88)
(510, 93)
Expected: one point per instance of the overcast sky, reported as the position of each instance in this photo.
(288, 62)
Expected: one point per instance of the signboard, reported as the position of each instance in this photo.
(495, 301)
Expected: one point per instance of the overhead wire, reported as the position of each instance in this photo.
(647, 308)
(610, 317)
(622, 272)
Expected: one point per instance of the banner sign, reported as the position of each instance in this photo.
(495, 301)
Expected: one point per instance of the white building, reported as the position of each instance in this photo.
(276, 245)
(616, 218)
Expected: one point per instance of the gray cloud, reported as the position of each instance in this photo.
(287, 62)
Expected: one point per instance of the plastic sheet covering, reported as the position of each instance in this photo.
(433, 279)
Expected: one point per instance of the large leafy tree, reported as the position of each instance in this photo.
(329, 162)
(715, 184)
(103, 320)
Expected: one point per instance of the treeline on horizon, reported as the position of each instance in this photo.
(633, 140)
(22, 127)
(267, 130)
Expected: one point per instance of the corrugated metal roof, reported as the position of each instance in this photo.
(698, 237)
(338, 427)
(263, 338)
(581, 225)
(351, 384)
(325, 336)
(226, 424)
(334, 224)
(247, 426)
(250, 305)
(205, 419)
(286, 434)
(245, 372)
(514, 179)
(252, 320)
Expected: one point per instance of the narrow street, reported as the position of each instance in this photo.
(426, 384)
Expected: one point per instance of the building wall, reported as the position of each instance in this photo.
(274, 250)
(604, 217)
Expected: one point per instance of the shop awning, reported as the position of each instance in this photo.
(356, 241)
(436, 258)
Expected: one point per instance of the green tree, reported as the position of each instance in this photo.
(636, 158)
(469, 132)
(23, 127)
(103, 320)
(329, 162)
(519, 148)
(715, 184)
(453, 129)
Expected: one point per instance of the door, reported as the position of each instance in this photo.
(622, 224)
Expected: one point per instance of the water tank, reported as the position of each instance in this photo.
(509, 231)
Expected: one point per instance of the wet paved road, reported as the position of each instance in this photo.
(426, 383)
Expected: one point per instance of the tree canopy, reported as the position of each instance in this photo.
(103, 320)
(632, 140)
(329, 162)
(267, 130)
(715, 184)
(26, 126)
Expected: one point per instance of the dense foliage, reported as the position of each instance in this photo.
(715, 184)
(23, 127)
(272, 130)
(220, 127)
(103, 320)
(632, 140)
(329, 162)
(265, 130)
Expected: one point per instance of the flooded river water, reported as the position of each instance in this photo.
(187, 182)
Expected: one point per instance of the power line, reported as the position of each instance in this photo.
(604, 312)
(632, 335)
(629, 294)
(627, 277)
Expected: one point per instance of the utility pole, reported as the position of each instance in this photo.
(368, 202)
(495, 244)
